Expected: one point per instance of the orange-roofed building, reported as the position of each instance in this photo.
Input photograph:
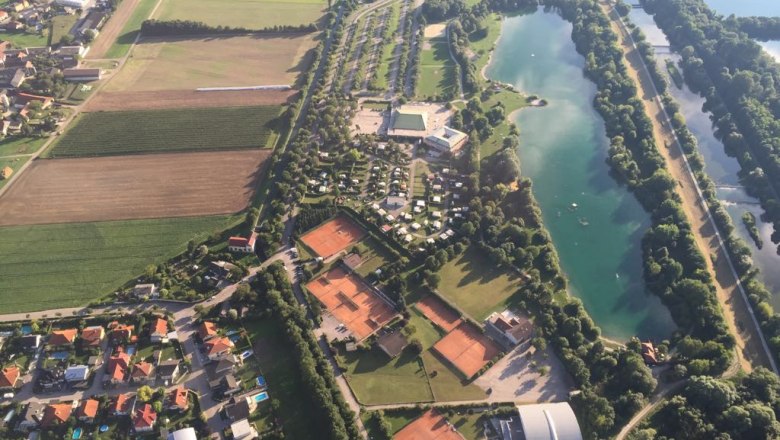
(56, 414)
(116, 370)
(121, 332)
(207, 330)
(59, 338)
(144, 418)
(121, 404)
(158, 330)
(142, 373)
(92, 336)
(10, 378)
(649, 354)
(218, 348)
(87, 410)
(177, 399)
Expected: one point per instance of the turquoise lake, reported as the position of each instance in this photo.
(563, 149)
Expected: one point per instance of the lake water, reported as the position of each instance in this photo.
(563, 149)
(721, 168)
(746, 8)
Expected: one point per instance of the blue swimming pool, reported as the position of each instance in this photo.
(262, 396)
(76, 434)
(130, 350)
(246, 354)
(261, 381)
(59, 355)
(26, 330)
(103, 428)
(234, 338)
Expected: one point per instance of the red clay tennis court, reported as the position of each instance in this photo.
(467, 349)
(429, 426)
(438, 312)
(352, 302)
(333, 236)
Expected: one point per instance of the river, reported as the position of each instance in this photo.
(563, 149)
(721, 168)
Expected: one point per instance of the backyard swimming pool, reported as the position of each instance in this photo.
(76, 434)
(262, 396)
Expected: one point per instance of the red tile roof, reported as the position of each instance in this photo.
(178, 398)
(207, 329)
(121, 330)
(93, 335)
(142, 370)
(218, 345)
(121, 403)
(63, 337)
(9, 377)
(144, 417)
(238, 241)
(117, 366)
(88, 408)
(159, 327)
(56, 413)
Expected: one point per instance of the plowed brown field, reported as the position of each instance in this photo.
(132, 187)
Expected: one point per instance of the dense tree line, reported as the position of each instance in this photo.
(331, 413)
(440, 10)
(760, 28)
(189, 27)
(310, 216)
(710, 408)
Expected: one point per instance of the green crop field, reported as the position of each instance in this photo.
(250, 14)
(131, 29)
(163, 131)
(68, 265)
(437, 70)
(61, 26)
(476, 285)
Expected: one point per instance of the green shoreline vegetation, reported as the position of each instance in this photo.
(675, 74)
(749, 220)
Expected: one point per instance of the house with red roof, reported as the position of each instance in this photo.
(207, 330)
(60, 338)
(21, 100)
(120, 333)
(144, 418)
(143, 373)
(121, 405)
(91, 337)
(87, 410)
(116, 369)
(177, 399)
(158, 330)
(241, 244)
(649, 354)
(10, 378)
(218, 348)
(56, 414)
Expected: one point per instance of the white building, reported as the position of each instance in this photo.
(78, 4)
(242, 430)
(549, 421)
(183, 434)
(446, 140)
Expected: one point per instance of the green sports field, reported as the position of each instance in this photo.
(473, 283)
(68, 265)
(250, 14)
(166, 131)
(437, 70)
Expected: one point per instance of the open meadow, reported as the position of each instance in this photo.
(69, 265)
(214, 61)
(250, 14)
(437, 70)
(119, 34)
(166, 131)
(474, 284)
(132, 187)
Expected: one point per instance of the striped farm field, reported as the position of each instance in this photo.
(68, 265)
(167, 131)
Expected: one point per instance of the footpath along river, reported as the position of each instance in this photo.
(595, 223)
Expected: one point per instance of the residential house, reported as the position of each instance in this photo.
(168, 371)
(145, 291)
(144, 418)
(218, 348)
(227, 364)
(14, 26)
(183, 434)
(87, 410)
(91, 337)
(22, 100)
(509, 328)
(239, 408)
(649, 353)
(143, 373)
(56, 414)
(241, 244)
(61, 338)
(32, 416)
(121, 405)
(69, 56)
(120, 333)
(30, 342)
(51, 379)
(158, 330)
(243, 430)
(207, 330)
(3, 16)
(10, 378)
(116, 370)
(93, 21)
(76, 373)
(178, 399)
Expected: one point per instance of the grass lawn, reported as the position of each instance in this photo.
(420, 171)
(78, 92)
(20, 145)
(376, 379)
(482, 43)
(23, 39)
(15, 163)
(468, 425)
(131, 29)
(476, 285)
(165, 131)
(398, 418)
(512, 101)
(385, 59)
(81, 262)
(374, 255)
(437, 70)
(282, 376)
(61, 26)
(250, 14)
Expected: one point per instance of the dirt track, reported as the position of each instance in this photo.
(122, 101)
(132, 187)
(749, 349)
(111, 30)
